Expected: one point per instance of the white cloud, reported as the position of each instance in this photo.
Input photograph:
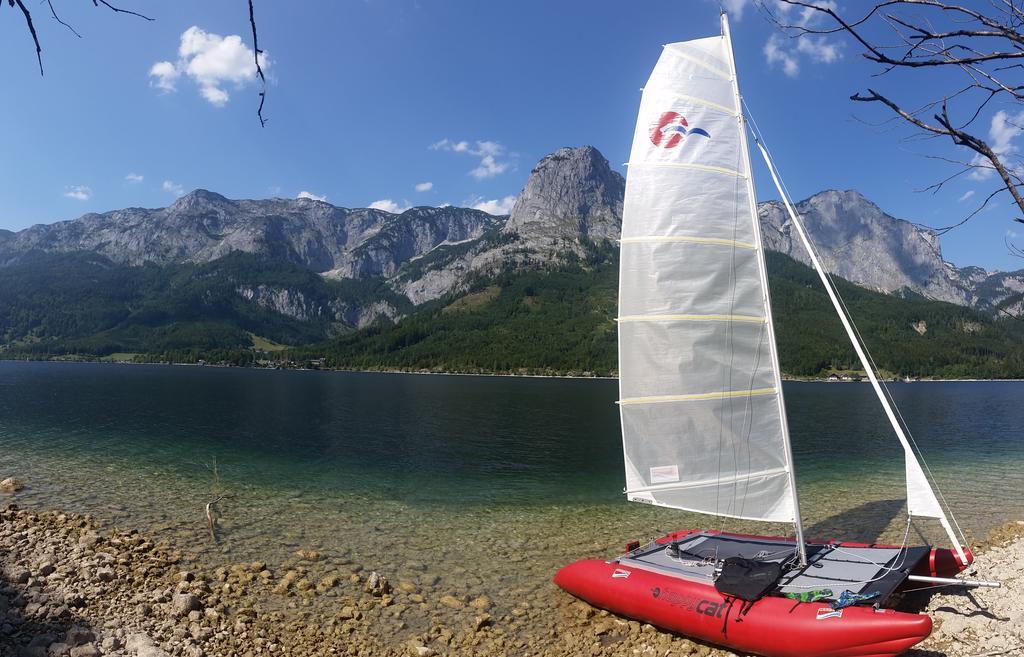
(818, 49)
(1002, 132)
(966, 195)
(387, 205)
(787, 53)
(134, 177)
(492, 156)
(212, 61)
(448, 145)
(493, 206)
(172, 187)
(166, 75)
(424, 186)
(311, 196)
(776, 54)
(78, 192)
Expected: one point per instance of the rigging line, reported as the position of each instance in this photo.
(736, 500)
(728, 344)
(906, 428)
(916, 450)
(748, 404)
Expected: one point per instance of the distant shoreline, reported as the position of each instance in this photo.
(598, 377)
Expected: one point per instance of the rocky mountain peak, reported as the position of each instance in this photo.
(861, 243)
(199, 200)
(571, 192)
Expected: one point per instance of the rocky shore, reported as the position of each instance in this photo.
(70, 588)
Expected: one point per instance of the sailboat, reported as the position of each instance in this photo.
(702, 409)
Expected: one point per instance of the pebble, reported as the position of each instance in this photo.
(451, 602)
(11, 485)
(158, 603)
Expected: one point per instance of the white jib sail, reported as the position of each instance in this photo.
(703, 422)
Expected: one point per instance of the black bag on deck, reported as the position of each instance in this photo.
(747, 579)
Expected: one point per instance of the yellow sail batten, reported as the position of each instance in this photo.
(658, 399)
(683, 238)
(692, 318)
(696, 62)
(708, 103)
(690, 165)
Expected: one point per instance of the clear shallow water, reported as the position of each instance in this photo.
(490, 483)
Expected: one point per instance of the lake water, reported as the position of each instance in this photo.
(467, 485)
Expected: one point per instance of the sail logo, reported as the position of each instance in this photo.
(671, 128)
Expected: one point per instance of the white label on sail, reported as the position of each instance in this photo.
(665, 474)
(698, 376)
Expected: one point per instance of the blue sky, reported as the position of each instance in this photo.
(371, 100)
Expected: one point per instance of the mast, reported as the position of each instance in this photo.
(797, 521)
(920, 496)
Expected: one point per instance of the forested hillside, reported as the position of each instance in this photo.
(555, 320)
(561, 321)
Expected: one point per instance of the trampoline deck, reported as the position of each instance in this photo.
(831, 566)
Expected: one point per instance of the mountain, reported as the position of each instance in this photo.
(209, 273)
(862, 244)
(570, 193)
(571, 197)
(859, 242)
(203, 226)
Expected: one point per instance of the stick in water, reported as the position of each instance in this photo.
(211, 519)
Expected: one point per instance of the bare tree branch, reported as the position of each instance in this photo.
(32, 31)
(984, 44)
(97, 3)
(256, 52)
(57, 18)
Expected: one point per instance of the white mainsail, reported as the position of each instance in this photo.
(703, 423)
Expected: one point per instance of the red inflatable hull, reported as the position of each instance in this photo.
(773, 626)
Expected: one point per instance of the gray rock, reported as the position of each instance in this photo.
(143, 646)
(183, 603)
(377, 584)
(78, 636)
(11, 485)
(87, 650)
(192, 650)
(58, 650)
(17, 574)
(88, 539)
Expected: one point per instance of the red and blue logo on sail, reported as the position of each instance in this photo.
(671, 128)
